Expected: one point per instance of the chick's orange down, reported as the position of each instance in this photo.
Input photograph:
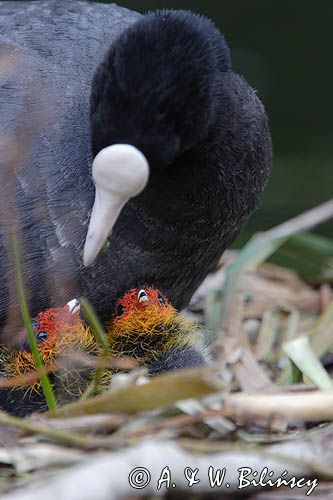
(144, 326)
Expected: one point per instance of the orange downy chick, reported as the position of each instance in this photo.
(147, 327)
(58, 332)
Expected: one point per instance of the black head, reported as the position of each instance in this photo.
(157, 88)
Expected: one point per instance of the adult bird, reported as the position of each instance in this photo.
(149, 110)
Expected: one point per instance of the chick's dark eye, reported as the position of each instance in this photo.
(160, 299)
(120, 309)
(41, 337)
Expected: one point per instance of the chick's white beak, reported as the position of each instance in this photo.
(120, 172)
(142, 296)
(73, 306)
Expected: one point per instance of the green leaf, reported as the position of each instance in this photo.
(301, 354)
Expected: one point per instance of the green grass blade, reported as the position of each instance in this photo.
(301, 354)
(255, 252)
(311, 255)
(320, 339)
(46, 386)
(95, 324)
(101, 337)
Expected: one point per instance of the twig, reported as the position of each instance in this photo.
(310, 406)
(159, 392)
(85, 423)
(111, 471)
(60, 436)
(28, 379)
(304, 299)
(303, 222)
(257, 250)
(179, 422)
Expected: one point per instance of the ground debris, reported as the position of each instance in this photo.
(265, 402)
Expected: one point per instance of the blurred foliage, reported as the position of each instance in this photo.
(311, 255)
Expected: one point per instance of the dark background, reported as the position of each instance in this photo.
(285, 50)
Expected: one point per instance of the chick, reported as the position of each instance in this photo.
(59, 333)
(147, 327)
(144, 326)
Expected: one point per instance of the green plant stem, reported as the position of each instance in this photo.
(46, 386)
(101, 337)
(95, 324)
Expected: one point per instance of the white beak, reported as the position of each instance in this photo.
(120, 172)
(73, 306)
(142, 296)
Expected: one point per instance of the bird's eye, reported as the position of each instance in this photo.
(120, 309)
(41, 337)
(160, 299)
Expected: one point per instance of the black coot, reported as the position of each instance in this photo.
(165, 95)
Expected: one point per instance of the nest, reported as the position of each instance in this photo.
(256, 421)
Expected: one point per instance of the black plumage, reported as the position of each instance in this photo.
(164, 83)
